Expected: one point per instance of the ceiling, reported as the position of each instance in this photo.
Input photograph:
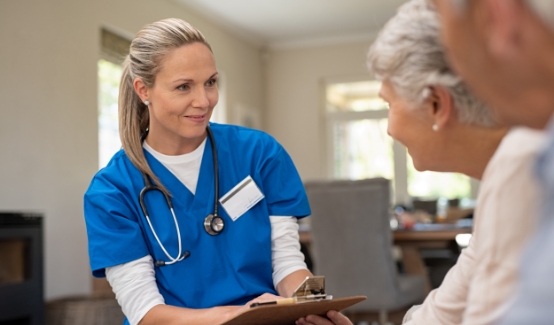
(293, 23)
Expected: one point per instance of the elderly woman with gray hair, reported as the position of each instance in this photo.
(446, 128)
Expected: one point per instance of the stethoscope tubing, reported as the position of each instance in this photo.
(179, 256)
(216, 170)
(148, 186)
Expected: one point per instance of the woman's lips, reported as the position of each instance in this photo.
(196, 118)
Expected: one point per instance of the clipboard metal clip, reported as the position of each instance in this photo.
(312, 288)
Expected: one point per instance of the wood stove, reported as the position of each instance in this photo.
(21, 269)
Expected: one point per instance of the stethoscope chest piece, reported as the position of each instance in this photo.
(214, 225)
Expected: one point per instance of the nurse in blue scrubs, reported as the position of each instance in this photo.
(168, 255)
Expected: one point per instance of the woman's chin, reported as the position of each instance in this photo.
(419, 166)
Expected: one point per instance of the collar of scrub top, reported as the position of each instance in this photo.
(213, 223)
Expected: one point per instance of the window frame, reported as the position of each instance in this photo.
(399, 186)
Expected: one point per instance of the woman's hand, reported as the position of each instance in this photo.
(335, 318)
(263, 298)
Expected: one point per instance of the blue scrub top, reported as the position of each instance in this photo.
(228, 269)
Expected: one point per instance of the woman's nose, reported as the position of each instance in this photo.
(200, 98)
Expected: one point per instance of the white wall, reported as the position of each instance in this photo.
(48, 95)
(295, 98)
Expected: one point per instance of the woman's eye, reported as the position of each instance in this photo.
(211, 82)
(183, 87)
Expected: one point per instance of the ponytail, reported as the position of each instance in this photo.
(133, 124)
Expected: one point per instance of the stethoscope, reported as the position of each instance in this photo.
(213, 223)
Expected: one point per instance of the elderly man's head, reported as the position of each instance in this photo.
(504, 49)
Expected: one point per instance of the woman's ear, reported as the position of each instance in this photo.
(442, 106)
(140, 89)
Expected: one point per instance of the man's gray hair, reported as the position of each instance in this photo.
(408, 52)
(543, 8)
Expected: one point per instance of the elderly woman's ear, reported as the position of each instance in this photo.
(441, 107)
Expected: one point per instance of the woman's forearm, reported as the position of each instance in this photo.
(286, 287)
(168, 315)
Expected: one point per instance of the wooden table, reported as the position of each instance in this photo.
(411, 242)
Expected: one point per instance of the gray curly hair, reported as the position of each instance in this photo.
(408, 52)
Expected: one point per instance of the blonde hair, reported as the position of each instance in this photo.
(148, 49)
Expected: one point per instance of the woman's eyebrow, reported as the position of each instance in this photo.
(183, 79)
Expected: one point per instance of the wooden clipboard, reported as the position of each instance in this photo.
(287, 314)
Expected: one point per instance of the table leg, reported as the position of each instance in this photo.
(413, 264)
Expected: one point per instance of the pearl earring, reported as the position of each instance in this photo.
(147, 103)
(435, 127)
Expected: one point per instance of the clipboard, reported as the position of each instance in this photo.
(310, 300)
(288, 314)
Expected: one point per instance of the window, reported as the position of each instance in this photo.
(114, 48)
(359, 146)
(108, 128)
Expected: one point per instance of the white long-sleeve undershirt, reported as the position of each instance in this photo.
(134, 283)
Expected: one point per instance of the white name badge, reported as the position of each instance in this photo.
(241, 198)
